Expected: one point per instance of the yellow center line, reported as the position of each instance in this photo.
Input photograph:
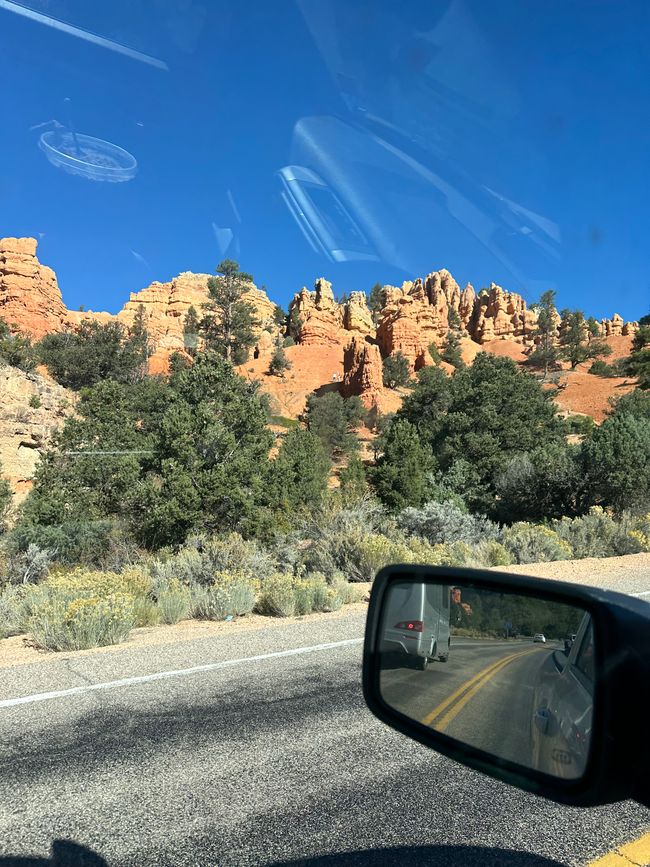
(429, 718)
(475, 682)
(442, 723)
(634, 854)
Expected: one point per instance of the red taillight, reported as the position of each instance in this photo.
(411, 625)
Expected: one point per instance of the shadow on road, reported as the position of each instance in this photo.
(426, 856)
(65, 853)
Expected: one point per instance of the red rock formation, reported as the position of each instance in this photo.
(357, 316)
(362, 371)
(320, 318)
(498, 313)
(29, 294)
(414, 316)
(166, 305)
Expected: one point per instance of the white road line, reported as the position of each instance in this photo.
(166, 675)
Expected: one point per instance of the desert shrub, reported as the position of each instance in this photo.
(209, 603)
(321, 598)
(72, 542)
(61, 624)
(27, 567)
(325, 595)
(173, 601)
(493, 553)
(580, 424)
(230, 554)
(601, 368)
(304, 594)
(333, 599)
(446, 522)
(349, 592)
(337, 540)
(10, 608)
(597, 534)
(145, 612)
(231, 594)
(277, 597)
(80, 582)
(641, 533)
(531, 543)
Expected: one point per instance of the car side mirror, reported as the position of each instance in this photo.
(476, 665)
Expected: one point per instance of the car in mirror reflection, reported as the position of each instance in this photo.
(563, 704)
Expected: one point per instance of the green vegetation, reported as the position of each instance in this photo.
(5, 501)
(169, 497)
(601, 368)
(376, 301)
(333, 420)
(546, 352)
(96, 353)
(638, 363)
(451, 352)
(489, 612)
(577, 341)
(401, 472)
(279, 362)
(396, 370)
(191, 330)
(227, 326)
(483, 415)
(15, 349)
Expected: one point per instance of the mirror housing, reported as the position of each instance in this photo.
(619, 762)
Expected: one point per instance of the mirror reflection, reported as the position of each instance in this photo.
(507, 673)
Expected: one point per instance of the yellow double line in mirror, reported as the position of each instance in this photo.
(445, 712)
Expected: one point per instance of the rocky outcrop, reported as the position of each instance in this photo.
(165, 306)
(357, 316)
(32, 409)
(30, 298)
(501, 314)
(315, 317)
(362, 371)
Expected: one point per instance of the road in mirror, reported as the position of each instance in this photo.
(509, 674)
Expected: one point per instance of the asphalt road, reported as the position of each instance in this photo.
(483, 695)
(243, 761)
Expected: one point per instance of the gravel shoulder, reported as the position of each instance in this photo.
(627, 574)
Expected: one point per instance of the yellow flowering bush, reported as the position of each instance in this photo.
(277, 597)
(133, 581)
(532, 543)
(87, 621)
(642, 534)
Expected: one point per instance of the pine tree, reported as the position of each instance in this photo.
(396, 370)
(279, 361)
(451, 352)
(545, 353)
(577, 342)
(228, 324)
(191, 328)
(376, 301)
(400, 474)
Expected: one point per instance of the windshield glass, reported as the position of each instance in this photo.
(291, 291)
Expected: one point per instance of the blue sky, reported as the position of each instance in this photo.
(505, 141)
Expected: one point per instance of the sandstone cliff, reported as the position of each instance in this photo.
(414, 316)
(31, 410)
